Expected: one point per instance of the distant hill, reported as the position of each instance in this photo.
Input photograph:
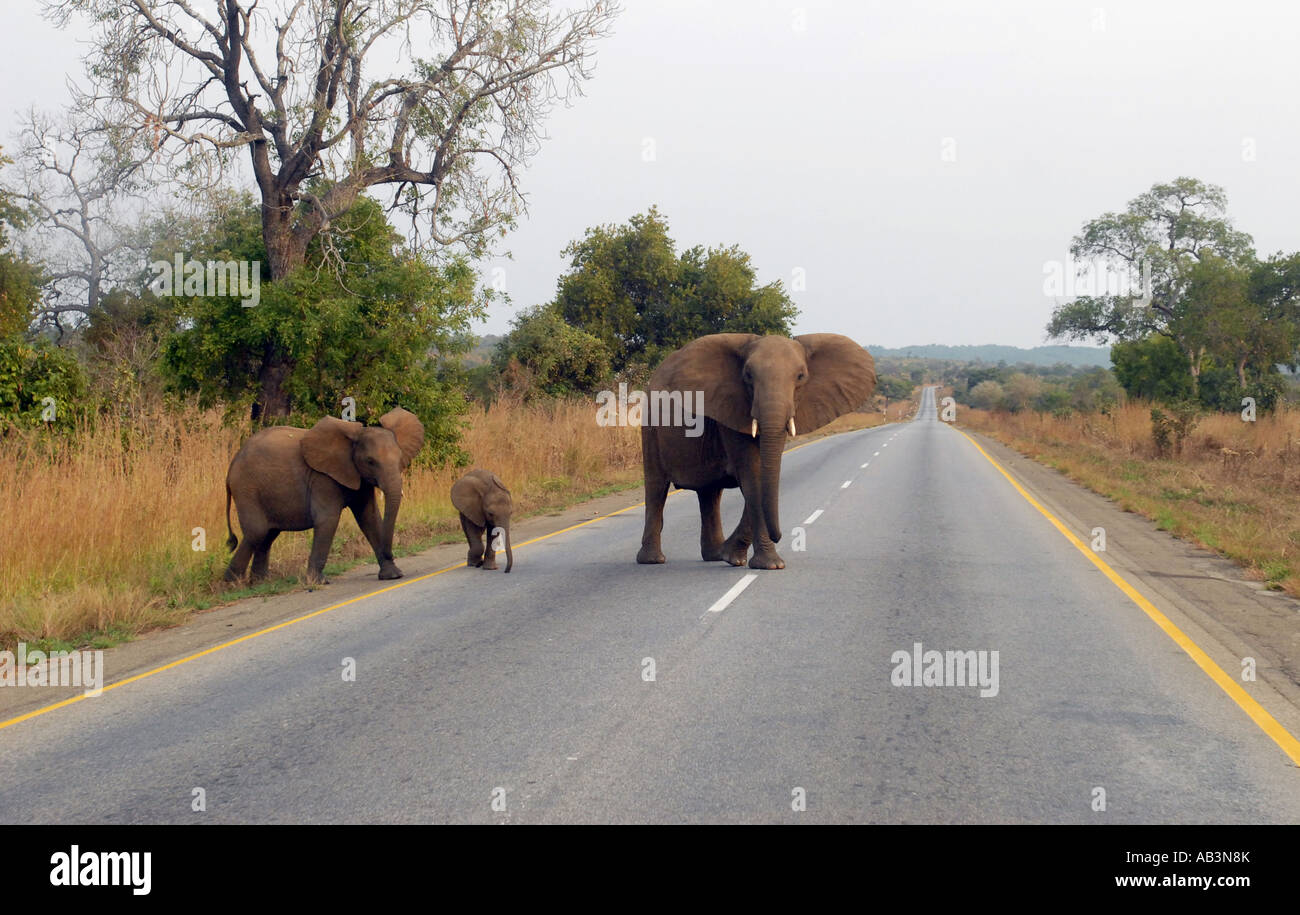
(993, 353)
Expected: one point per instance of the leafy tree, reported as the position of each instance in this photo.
(894, 387)
(627, 287)
(31, 372)
(365, 318)
(328, 99)
(1021, 392)
(558, 359)
(987, 395)
(1153, 368)
(20, 279)
(1163, 234)
(35, 377)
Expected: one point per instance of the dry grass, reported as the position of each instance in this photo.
(98, 536)
(1234, 488)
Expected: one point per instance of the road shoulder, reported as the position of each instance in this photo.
(1206, 595)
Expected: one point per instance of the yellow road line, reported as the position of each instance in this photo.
(298, 619)
(1266, 722)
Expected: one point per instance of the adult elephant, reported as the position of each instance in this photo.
(291, 479)
(756, 391)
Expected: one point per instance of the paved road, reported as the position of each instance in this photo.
(532, 687)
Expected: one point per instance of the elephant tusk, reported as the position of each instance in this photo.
(792, 432)
(753, 431)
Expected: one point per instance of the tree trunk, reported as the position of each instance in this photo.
(284, 253)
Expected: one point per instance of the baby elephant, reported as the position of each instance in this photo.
(290, 479)
(484, 505)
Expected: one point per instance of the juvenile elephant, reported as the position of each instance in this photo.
(484, 505)
(290, 479)
(756, 391)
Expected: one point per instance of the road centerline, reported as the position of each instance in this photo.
(725, 600)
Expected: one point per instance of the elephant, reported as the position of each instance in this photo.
(290, 479)
(756, 390)
(484, 505)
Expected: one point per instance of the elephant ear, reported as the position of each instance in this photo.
(327, 448)
(496, 481)
(467, 498)
(408, 431)
(841, 376)
(714, 365)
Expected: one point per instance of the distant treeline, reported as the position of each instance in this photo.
(992, 353)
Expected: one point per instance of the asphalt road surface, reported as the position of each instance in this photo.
(583, 687)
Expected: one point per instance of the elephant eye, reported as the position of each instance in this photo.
(801, 377)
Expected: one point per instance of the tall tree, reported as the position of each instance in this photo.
(627, 287)
(328, 99)
(75, 180)
(1155, 242)
(373, 328)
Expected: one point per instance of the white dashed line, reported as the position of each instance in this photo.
(846, 484)
(813, 517)
(725, 600)
(877, 454)
(864, 466)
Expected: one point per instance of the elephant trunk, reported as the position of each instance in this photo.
(771, 444)
(510, 556)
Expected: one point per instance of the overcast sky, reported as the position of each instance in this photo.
(813, 135)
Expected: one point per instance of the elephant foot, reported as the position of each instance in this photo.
(650, 556)
(389, 572)
(488, 568)
(231, 575)
(766, 561)
(712, 553)
(734, 553)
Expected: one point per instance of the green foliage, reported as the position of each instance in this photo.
(1153, 368)
(987, 395)
(364, 318)
(551, 356)
(894, 387)
(1229, 317)
(20, 279)
(31, 372)
(628, 288)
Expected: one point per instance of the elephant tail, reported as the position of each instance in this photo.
(232, 541)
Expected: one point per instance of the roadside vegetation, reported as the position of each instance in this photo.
(1225, 484)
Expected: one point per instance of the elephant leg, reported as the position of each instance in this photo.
(367, 515)
(765, 555)
(254, 530)
(711, 524)
(735, 549)
(262, 555)
(321, 539)
(656, 493)
(474, 535)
